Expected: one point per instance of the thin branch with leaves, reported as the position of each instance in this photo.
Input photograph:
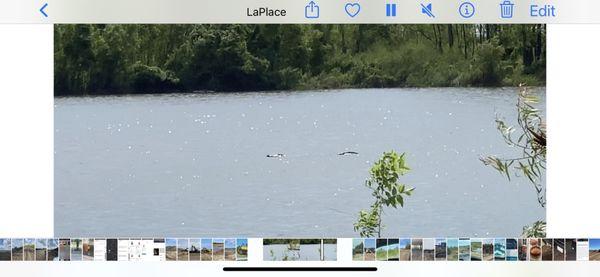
(387, 191)
(530, 138)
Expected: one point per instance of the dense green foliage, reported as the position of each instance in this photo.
(113, 59)
(387, 191)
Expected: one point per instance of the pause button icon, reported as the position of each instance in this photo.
(390, 9)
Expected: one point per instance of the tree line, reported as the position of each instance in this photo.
(125, 59)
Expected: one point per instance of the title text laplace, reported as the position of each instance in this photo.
(265, 11)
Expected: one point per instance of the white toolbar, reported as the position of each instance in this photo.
(300, 11)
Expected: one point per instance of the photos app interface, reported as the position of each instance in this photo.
(300, 135)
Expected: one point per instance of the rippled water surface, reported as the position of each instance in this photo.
(195, 164)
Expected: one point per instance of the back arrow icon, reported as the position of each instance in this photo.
(42, 10)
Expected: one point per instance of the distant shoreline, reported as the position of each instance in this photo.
(198, 92)
(96, 59)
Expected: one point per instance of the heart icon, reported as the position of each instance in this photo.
(352, 9)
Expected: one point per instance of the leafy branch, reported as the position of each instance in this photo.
(536, 230)
(530, 138)
(387, 191)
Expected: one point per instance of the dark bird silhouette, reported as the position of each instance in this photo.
(278, 155)
(539, 137)
(348, 153)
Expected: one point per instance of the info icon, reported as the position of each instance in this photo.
(466, 9)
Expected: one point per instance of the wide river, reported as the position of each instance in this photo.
(195, 165)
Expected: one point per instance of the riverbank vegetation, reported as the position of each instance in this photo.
(119, 59)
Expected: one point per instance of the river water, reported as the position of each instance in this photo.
(195, 164)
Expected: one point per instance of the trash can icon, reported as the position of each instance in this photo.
(506, 9)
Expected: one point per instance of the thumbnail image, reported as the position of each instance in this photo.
(404, 249)
(64, 250)
(393, 250)
(159, 249)
(241, 249)
(218, 246)
(150, 109)
(358, 246)
(41, 250)
(329, 250)
(370, 249)
(171, 249)
(76, 250)
(17, 249)
(570, 249)
(440, 249)
(183, 249)
(88, 249)
(123, 249)
(53, 249)
(29, 249)
(100, 250)
(230, 249)
(594, 249)
(302, 249)
(499, 249)
(535, 249)
(476, 249)
(112, 249)
(428, 249)
(488, 249)
(194, 249)
(452, 249)
(381, 251)
(547, 249)
(464, 249)
(280, 249)
(148, 247)
(416, 253)
(559, 250)
(135, 250)
(5, 250)
(583, 250)
(512, 250)
(206, 251)
(522, 244)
